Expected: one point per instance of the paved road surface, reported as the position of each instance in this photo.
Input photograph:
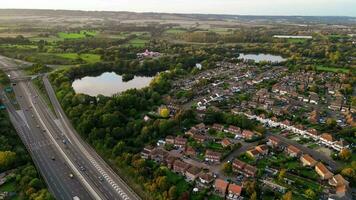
(90, 171)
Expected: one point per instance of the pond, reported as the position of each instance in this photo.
(262, 57)
(108, 84)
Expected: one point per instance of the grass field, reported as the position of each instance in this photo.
(137, 42)
(80, 35)
(89, 58)
(332, 69)
(296, 40)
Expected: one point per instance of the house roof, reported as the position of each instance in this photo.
(293, 149)
(254, 152)
(308, 158)
(181, 164)
(262, 148)
(238, 164)
(274, 139)
(339, 180)
(221, 184)
(248, 133)
(327, 137)
(212, 153)
(193, 170)
(322, 168)
(235, 189)
(226, 142)
(206, 177)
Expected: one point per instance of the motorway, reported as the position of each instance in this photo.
(55, 137)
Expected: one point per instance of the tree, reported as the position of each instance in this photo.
(227, 168)
(253, 196)
(164, 112)
(287, 196)
(172, 193)
(7, 158)
(281, 174)
(310, 194)
(250, 187)
(345, 154)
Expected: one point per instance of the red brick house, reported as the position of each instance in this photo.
(248, 135)
(293, 151)
(217, 127)
(274, 142)
(262, 149)
(226, 142)
(180, 166)
(221, 187)
(212, 156)
(233, 191)
(192, 173)
(190, 151)
(180, 142)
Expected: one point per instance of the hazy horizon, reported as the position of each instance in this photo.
(233, 7)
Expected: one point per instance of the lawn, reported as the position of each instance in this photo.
(332, 69)
(138, 42)
(79, 35)
(89, 58)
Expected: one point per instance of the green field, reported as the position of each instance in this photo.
(332, 69)
(80, 35)
(138, 42)
(89, 58)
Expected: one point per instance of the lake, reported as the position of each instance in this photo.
(262, 57)
(108, 83)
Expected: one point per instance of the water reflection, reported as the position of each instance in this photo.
(107, 84)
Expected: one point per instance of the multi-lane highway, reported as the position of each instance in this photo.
(60, 147)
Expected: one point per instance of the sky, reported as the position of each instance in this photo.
(238, 7)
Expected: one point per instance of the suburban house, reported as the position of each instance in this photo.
(273, 142)
(169, 139)
(293, 151)
(190, 151)
(262, 149)
(192, 173)
(170, 161)
(326, 138)
(250, 171)
(212, 156)
(159, 155)
(241, 167)
(226, 142)
(338, 180)
(233, 191)
(205, 180)
(146, 153)
(248, 135)
(323, 172)
(217, 127)
(234, 130)
(199, 138)
(221, 187)
(253, 153)
(180, 142)
(238, 165)
(180, 166)
(307, 160)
